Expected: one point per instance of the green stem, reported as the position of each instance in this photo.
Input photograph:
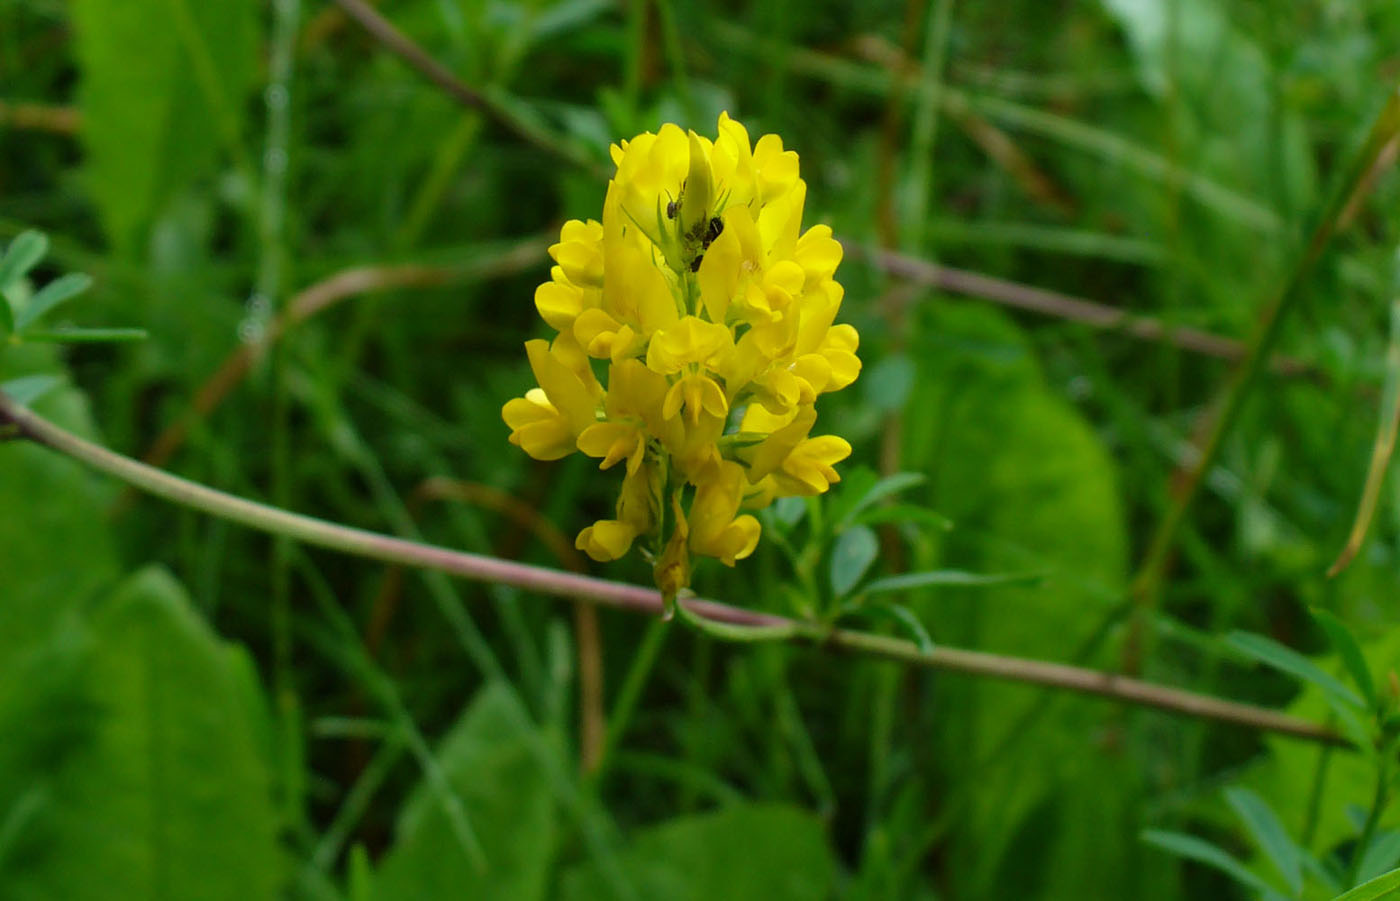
(1373, 819)
(371, 545)
(1147, 582)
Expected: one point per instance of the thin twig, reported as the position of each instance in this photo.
(62, 120)
(363, 543)
(1063, 306)
(1217, 422)
(396, 42)
(315, 299)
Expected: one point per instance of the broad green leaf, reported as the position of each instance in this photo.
(1387, 886)
(1344, 643)
(907, 581)
(745, 852)
(160, 789)
(56, 292)
(22, 255)
(508, 800)
(162, 91)
(852, 554)
(1269, 834)
(1032, 490)
(1286, 660)
(1201, 851)
(1348, 779)
(58, 552)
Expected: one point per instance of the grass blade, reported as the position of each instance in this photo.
(1201, 851)
(1286, 660)
(1344, 643)
(1387, 886)
(56, 292)
(951, 577)
(1381, 451)
(1268, 834)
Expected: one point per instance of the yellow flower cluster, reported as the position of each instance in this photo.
(709, 313)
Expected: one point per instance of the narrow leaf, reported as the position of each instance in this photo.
(50, 296)
(900, 513)
(1286, 660)
(85, 335)
(1381, 857)
(27, 389)
(905, 617)
(1268, 834)
(856, 549)
(1387, 886)
(1344, 643)
(890, 485)
(24, 252)
(955, 577)
(1204, 852)
(1381, 450)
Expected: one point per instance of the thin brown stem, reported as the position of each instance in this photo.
(396, 42)
(61, 120)
(315, 299)
(1063, 306)
(374, 546)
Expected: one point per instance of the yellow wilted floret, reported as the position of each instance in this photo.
(713, 315)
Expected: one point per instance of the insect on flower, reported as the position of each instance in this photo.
(714, 316)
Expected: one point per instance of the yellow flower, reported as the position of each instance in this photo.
(714, 314)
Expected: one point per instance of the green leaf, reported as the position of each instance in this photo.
(744, 852)
(162, 90)
(27, 389)
(1347, 648)
(855, 550)
(57, 553)
(1201, 851)
(1387, 886)
(908, 581)
(902, 513)
(23, 254)
(1269, 834)
(1382, 855)
(56, 292)
(160, 790)
(85, 336)
(1286, 660)
(861, 488)
(487, 760)
(901, 615)
(1032, 489)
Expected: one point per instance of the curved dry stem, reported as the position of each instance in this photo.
(317, 298)
(374, 546)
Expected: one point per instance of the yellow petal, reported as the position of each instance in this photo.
(559, 304)
(537, 427)
(613, 441)
(561, 385)
(607, 539)
(818, 253)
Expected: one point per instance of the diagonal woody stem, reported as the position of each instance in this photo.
(637, 599)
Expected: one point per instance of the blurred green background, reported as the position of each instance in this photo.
(192, 710)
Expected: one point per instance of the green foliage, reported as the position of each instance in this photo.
(748, 852)
(1158, 159)
(491, 770)
(151, 779)
(163, 89)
